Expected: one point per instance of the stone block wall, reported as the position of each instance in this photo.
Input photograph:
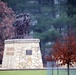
(22, 54)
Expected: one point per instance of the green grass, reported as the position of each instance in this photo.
(23, 72)
(36, 72)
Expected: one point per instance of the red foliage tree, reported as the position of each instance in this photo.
(6, 29)
(65, 51)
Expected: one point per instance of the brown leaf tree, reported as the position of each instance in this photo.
(65, 51)
(7, 18)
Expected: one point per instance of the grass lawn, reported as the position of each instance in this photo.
(36, 72)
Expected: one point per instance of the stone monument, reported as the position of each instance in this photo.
(22, 52)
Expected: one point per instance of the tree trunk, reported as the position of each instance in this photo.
(57, 69)
(68, 68)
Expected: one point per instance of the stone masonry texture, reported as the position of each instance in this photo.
(22, 54)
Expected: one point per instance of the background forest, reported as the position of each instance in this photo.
(50, 19)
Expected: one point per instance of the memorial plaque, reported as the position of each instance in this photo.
(10, 51)
(28, 52)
